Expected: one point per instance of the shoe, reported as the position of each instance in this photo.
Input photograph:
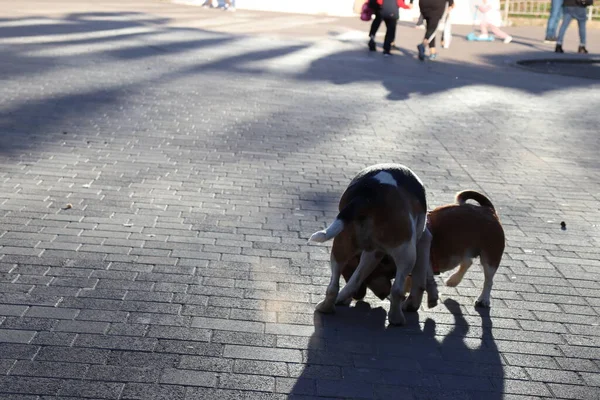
(387, 54)
(420, 26)
(432, 56)
(582, 50)
(421, 49)
(550, 39)
(558, 49)
(507, 39)
(484, 37)
(372, 45)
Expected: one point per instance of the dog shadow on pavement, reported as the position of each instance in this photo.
(353, 354)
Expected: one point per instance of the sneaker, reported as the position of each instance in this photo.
(507, 39)
(420, 26)
(484, 37)
(432, 56)
(387, 54)
(372, 46)
(558, 49)
(421, 49)
(582, 50)
(550, 39)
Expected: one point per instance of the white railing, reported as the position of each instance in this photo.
(537, 8)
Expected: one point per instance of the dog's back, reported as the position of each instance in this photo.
(373, 207)
(464, 230)
(385, 195)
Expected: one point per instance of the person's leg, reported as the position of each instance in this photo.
(429, 32)
(498, 32)
(434, 22)
(374, 27)
(483, 27)
(556, 13)
(390, 34)
(581, 22)
(567, 17)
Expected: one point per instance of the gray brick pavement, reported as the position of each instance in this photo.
(199, 150)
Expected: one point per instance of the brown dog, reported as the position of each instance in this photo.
(460, 233)
(382, 212)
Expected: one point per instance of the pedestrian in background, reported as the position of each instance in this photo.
(387, 11)
(556, 13)
(432, 11)
(574, 9)
(492, 19)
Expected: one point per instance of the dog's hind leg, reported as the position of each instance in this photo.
(405, 257)
(419, 272)
(433, 296)
(458, 276)
(368, 262)
(489, 270)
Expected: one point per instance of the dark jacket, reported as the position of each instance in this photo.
(571, 3)
(387, 8)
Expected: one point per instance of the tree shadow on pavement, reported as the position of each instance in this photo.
(41, 47)
(353, 354)
(403, 75)
(161, 54)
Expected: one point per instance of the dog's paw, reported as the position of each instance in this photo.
(453, 280)
(411, 305)
(318, 237)
(432, 302)
(345, 302)
(325, 307)
(483, 303)
(396, 317)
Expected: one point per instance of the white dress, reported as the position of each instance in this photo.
(491, 16)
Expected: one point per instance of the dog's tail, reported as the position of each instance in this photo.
(462, 197)
(343, 219)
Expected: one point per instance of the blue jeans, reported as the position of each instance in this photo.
(556, 13)
(578, 13)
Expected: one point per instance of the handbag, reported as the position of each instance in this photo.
(366, 12)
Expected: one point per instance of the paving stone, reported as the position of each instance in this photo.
(261, 353)
(122, 374)
(84, 389)
(73, 355)
(14, 336)
(188, 377)
(49, 369)
(82, 326)
(203, 363)
(139, 391)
